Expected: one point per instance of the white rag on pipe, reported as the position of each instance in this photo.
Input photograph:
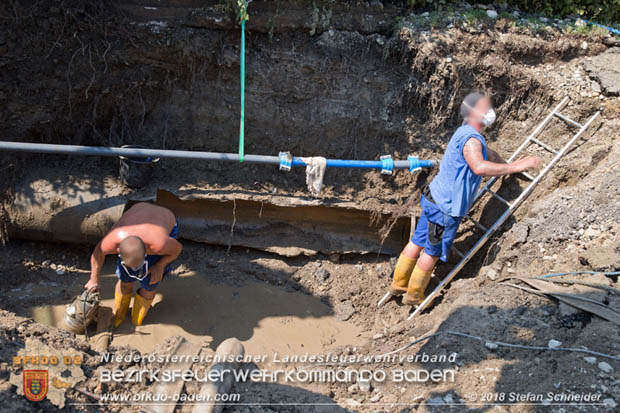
(315, 170)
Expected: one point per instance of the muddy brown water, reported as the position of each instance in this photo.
(264, 317)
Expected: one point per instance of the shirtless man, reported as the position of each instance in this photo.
(145, 240)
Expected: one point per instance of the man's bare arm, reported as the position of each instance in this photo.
(169, 251)
(103, 248)
(473, 155)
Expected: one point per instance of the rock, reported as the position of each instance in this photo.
(492, 274)
(517, 235)
(377, 336)
(596, 87)
(606, 367)
(590, 360)
(435, 401)
(376, 398)
(343, 310)
(53, 266)
(352, 388)
(335, 258)
(591, 232)
(554, 344)
(448, 399)
(492, 14)
(580, 23)
(352, 402)
(605, 69)
(611, 41)
(364, 386)
(610, 403)
(425, 14)
(490, 345)
(46, 263)
(321, 274)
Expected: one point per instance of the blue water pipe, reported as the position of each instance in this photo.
(410, 164)
(386, 164)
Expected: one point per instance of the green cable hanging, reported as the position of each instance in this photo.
(243, 17)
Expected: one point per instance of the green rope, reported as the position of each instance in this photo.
(243, 17)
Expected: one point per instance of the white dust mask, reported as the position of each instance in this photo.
(487, 119)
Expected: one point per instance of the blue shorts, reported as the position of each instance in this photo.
(435, 231)
(125, 277)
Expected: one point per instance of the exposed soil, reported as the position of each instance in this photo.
(350, 80)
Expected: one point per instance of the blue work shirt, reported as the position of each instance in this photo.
(456, 185)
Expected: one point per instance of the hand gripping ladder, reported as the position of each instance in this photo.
(511, 207)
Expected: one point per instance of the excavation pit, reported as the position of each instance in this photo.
(282, 270)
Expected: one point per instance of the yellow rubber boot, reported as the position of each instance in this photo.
(417, 285)
(402, 273)
(140, 307)
(121, 305)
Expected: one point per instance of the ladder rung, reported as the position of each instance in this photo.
(476, 223)
(496, 196)
(528, 176)
(568, 120)
(544, 145)
(457, 252)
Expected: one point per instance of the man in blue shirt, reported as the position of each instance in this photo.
(450, 195)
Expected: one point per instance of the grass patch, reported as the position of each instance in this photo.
(528, 24)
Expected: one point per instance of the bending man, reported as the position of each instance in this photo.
(145, 240)
(450, 195)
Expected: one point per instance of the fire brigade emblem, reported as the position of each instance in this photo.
(36, 384)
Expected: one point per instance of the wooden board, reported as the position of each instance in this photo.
(572, 295)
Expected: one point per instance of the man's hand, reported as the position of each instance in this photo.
(157, 273)
(91, 284)
(528, 162)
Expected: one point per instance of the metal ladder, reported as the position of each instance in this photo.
(511, 206)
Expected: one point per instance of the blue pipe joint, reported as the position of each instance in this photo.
(414, 164)
(286, 160)
(387, 164)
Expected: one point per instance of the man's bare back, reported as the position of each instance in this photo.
(149, 222)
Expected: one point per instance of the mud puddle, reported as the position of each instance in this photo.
(264, 317)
